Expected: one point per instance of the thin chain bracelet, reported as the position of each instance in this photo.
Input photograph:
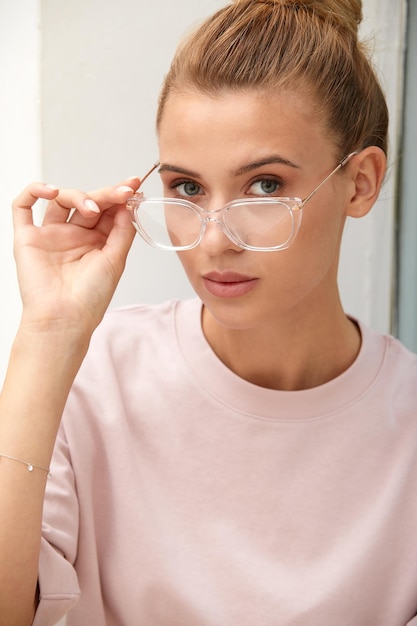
(30, 466)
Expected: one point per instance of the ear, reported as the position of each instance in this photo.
(367, 171)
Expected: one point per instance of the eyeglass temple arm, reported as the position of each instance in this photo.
(148, 173)
(131, 204)
(341, 164)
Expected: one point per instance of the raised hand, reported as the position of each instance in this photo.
(69, 267)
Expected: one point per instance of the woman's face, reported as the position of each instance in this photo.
(237, 145)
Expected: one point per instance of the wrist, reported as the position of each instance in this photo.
(54, 348)
(65, 330)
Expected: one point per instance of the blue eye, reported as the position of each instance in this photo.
(264, 187)
(188, 188)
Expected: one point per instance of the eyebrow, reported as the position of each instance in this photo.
(166, 167)
(268, 160)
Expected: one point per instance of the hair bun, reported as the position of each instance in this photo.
(344, 14)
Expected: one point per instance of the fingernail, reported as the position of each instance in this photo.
(124, 188)
(90, 205)
(51, 187)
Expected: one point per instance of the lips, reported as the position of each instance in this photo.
(228, 284)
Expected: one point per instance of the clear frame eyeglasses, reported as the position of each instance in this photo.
(257, 224)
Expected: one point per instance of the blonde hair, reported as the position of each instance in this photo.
(268, 45)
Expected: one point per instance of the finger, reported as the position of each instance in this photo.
(68, 200)
(115, 194)
(23, 204)
(119, 239)
(85, 210)
(105, 198)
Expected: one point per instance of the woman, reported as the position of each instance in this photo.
(247, 457)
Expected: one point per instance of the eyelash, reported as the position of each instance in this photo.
(181, 183)
(267, 179)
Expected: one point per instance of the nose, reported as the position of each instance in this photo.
(214, 240)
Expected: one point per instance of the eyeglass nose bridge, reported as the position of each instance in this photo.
(214, 217)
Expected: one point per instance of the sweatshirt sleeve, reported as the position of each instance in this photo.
(58, 582)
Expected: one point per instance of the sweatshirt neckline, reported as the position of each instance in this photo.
(240, 395)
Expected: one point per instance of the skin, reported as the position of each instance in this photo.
(288, 330)
(284, 328)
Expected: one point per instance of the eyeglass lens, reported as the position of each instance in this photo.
(253, 224)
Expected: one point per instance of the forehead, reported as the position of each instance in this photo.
(233, 122)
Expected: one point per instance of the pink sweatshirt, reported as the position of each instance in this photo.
(182, 495)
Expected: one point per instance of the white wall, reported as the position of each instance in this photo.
(101, 68)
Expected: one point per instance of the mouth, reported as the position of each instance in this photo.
(228, 284)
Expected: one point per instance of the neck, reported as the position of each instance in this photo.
(289, 353)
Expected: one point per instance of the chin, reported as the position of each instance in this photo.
(234, 315)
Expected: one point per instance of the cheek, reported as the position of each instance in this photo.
(322, 226)
(315, 252)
